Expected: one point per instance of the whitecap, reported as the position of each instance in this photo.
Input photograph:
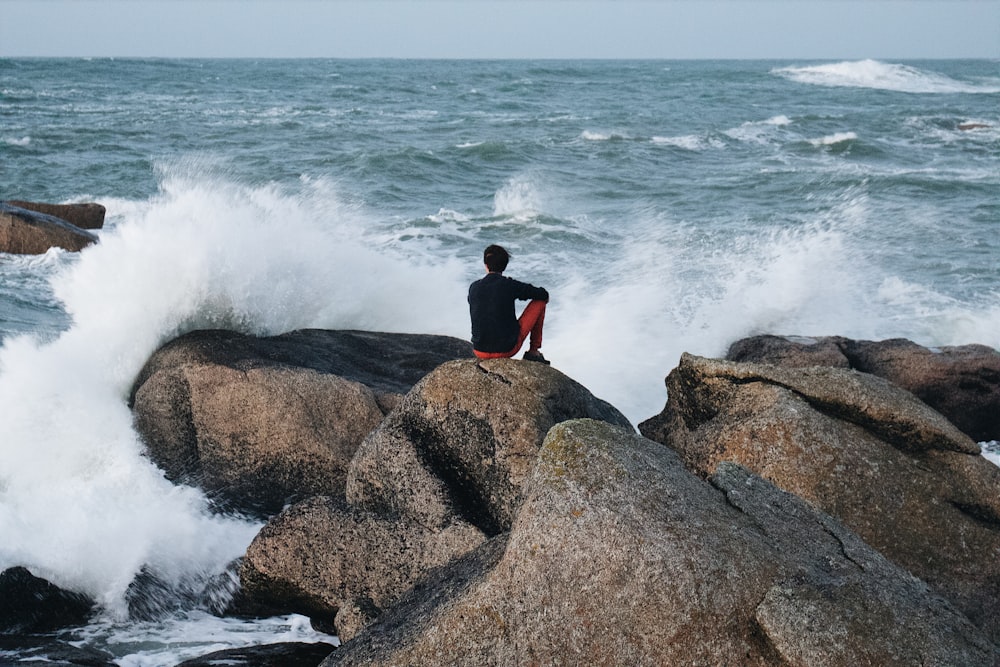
(834, 139)
(688, 142)
(880, 76)
(23, 141)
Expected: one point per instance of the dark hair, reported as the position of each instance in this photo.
(496, 257)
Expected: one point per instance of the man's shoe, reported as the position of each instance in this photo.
(535, 356)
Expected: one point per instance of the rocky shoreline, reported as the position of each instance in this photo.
(802, 502)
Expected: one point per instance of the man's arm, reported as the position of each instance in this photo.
(524, 291)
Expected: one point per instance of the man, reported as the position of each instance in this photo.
(496, 332)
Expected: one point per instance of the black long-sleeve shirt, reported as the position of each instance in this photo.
(491, 306)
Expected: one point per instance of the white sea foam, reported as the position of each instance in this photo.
(834, 139)
(13, 141)
(590, 135)
(881, 76)
(991, 450)
(519, 197)
(203, 253)
(689, 142)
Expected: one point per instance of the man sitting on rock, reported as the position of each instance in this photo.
(496, 332)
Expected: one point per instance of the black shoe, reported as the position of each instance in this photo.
(535, 356)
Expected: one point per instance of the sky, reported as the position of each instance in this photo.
(798, 29)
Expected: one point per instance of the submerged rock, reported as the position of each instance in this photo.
(961, 382)
(24, 232)
(85, 216)
(261, 421)
(858, 447)
(620, 555)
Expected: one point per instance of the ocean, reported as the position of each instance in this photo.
(667, 206)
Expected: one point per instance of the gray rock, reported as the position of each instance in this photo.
(858, 447)
(261, 421)
(24, 232)
(619, 555)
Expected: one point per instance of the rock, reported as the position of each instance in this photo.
(343, 566)
(972, 126)
(790, 351)
(284, 654)
(858, 447)
(442, 471)
(46, 651)
(619, 555)
(31, 604)
(262, 421)
(84, 216)
(462, 442)
(962, 383)
(24, 232)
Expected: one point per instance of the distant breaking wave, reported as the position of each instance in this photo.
(881, 76)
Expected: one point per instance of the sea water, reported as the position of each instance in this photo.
(667, 206)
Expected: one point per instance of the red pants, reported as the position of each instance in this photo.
(531, 321)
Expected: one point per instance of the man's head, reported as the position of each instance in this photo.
(496, 258)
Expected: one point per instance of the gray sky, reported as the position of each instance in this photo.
(822, 29)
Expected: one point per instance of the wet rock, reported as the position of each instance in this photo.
(24, 232)
(46, 651)
(620, 555)
(284, 654)
(961, 382)
(31, 604)
(462, 442)
(259, 422)
(344, 566)
(858, 447)
(85, 216)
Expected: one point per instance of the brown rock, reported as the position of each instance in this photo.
(24, 232)
(962, 383)
(261, 421)
(461, 444)
(790, 351)
(620, 556)
(858, 447)
(84, 216)
(345, 566)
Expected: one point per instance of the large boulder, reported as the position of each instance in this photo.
(342, 566)
(85, 216)
(259, 422)
(620, 555)
(24, 232)
(961, 382)
(442, 472)
(461, 444)
(32, 604)
(858, 447)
